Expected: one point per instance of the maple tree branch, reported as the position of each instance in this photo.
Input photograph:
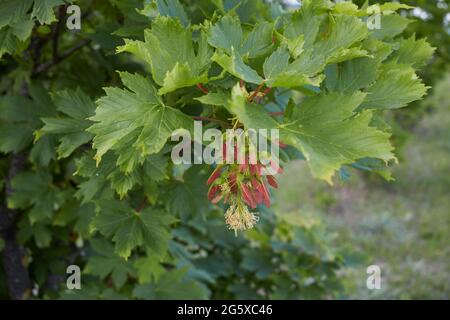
(17, 277)
(13, 254)
(57, 30)
(46, 66)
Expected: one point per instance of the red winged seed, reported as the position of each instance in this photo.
(232, 179)
(256, 191)
(255, 184)
(247, 196)
(214, 175)
(243, 167)
(272, 181)
(212, 192)
(258, 169)
(257, 196)
(217, 198)
(265, 194)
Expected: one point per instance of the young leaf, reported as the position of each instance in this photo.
(169, 49)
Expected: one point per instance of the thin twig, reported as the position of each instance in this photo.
(56, 31)
(46, 66)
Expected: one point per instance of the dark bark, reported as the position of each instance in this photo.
(13, 254)
(18, 280)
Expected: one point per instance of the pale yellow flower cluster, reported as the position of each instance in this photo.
(239, 218)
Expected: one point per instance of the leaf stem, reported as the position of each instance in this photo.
(278, 113)
(202, 88)
(255, 93)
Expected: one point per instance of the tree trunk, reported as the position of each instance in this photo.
(17, 278)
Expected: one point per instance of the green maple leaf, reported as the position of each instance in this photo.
(130, 229)
(279, 72)
(16, 114)
(324, 128)
(149, 268)
(340, 42)
(39, 232)
(100, 175)
(329, 133)
(8, 42)
(13, 10)
(138, 115)
(34, 190)
(415, 53)
(251, 115)
(392, 7)
(235, 49)
(96, 185)
(155, 167)
(107, 262)
(227, 34)
(172, 8)
(337, 44)
(347, 7)
(219, 98)
(305, 23)
(187, 198)
(22, 29)
(20, 117)
(352, 75)
(172, 285)
(236, 66)
(43, 10)
(76, 107)
(169, 50)
(152, 169)
(393, 25)
(396, 86)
